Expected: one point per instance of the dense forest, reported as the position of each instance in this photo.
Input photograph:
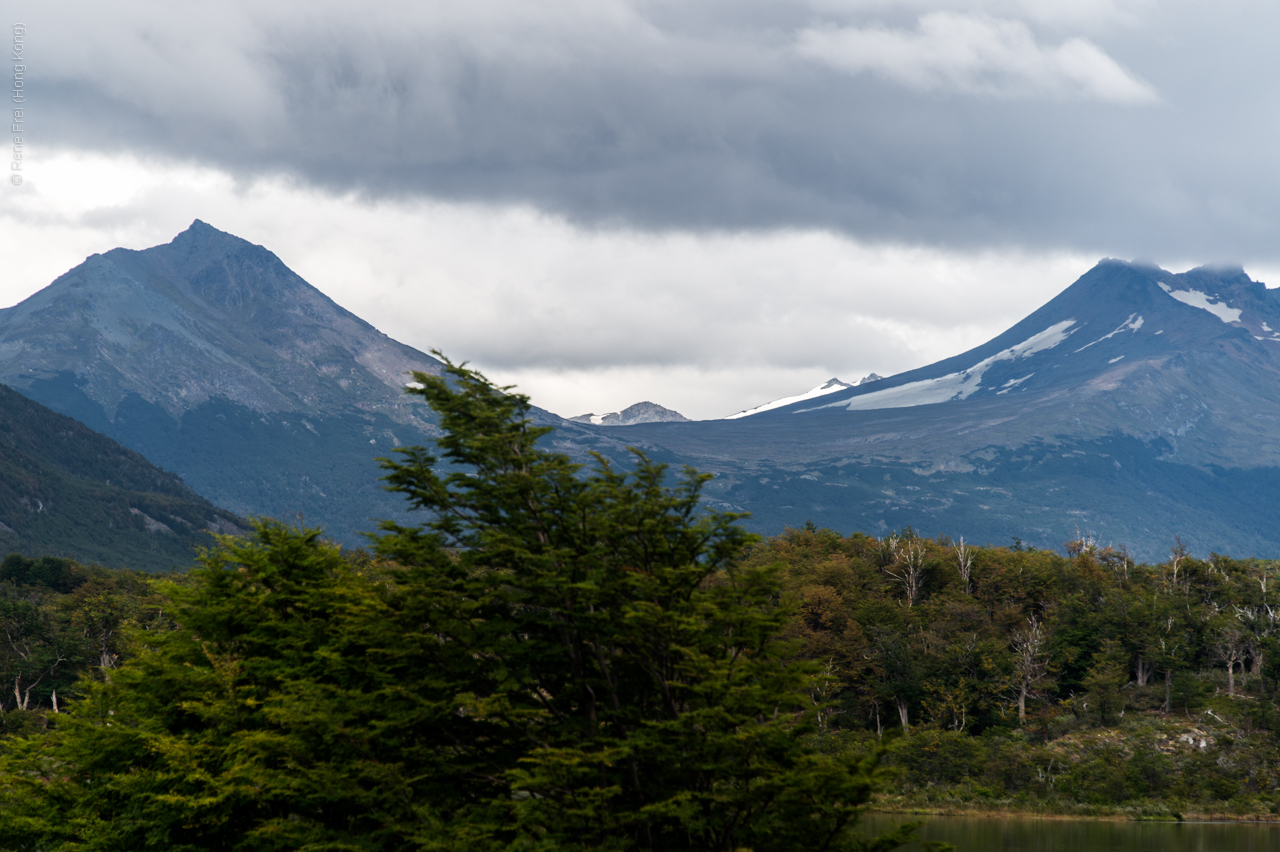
(1013, 678)
(995, 678)
(561, 657)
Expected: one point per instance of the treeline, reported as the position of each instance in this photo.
(993, 677)
(1012, 675)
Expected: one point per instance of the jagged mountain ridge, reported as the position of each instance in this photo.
(216, 361)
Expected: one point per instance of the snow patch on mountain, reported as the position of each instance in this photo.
(1130, 324)
(953, 386)
(1204, 302)
(1013, 383)
(830, 386)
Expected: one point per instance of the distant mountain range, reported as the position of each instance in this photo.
(641, 412)
(1135, 406)
(213, 359)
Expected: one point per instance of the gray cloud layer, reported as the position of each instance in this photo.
(1120, 128)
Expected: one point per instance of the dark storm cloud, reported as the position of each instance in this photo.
(1117, 128)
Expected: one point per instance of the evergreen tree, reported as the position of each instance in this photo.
(556, 659)
(625, 667)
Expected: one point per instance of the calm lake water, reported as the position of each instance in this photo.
(975, 834)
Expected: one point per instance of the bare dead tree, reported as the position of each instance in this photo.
(964, 560)
(1229, 648)
(1179, 553)
(1143, 670)
(889, 549)
(1259, 623)
(820, 693)
(875, 708)
(1029, 664)
(1083, 543)
(909, 570)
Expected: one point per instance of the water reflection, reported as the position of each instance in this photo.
(970, 834)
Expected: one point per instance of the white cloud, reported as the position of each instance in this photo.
(976, 54)
(581, 319)
(1097, 15)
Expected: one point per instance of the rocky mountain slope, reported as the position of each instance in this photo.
(213, 359)
(641, 412)
(1136, 406)
(67, 491)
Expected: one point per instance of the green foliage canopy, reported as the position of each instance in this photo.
(555, 659)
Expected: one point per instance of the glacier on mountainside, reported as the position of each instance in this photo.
(831, 386)
(1204, 302)
(953, 386)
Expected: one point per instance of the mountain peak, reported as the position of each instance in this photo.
(206, 315)
(209, 355)
(201, 231)
(641, 412)
(201, 244)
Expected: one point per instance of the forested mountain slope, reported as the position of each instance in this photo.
(67, 491)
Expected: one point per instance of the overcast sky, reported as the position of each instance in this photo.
(704, 204)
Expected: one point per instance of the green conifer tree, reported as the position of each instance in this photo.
(555, 659)
(626, 668)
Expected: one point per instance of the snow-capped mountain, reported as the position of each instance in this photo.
(1113, 324)
(827, 387)
(1138, 404)
(641, 412)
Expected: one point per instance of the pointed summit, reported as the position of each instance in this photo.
(183, 350)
